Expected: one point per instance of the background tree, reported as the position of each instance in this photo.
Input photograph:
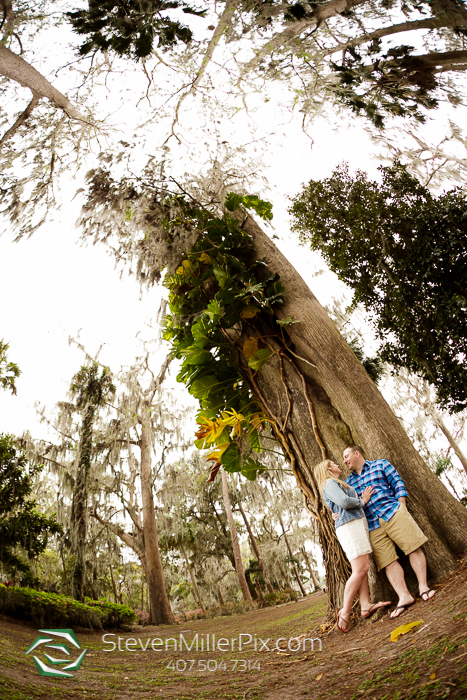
(23, 530)
(92, 390)
(402, 251)
(9, 371)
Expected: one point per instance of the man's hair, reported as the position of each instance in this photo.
(356, 448)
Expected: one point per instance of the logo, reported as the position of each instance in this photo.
(55, 640)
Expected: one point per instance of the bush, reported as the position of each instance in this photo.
(54, 610)
(276, 598)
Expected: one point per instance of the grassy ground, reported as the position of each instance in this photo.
(429, 662)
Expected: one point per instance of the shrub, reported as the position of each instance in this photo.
(54, 610)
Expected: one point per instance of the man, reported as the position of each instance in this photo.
(389, 523)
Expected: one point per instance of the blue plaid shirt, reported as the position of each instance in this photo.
(388, 486)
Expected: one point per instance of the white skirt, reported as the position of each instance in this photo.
(354, 538)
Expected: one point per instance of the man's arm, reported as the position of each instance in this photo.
(395, 482)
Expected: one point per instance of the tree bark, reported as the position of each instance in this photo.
(16, 68)
(254, 544)
(160, 612)
(322, 401)
(235, 543)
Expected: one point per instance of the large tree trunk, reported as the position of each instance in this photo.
(235, 543)
(322, 400)
(160, 612)
(255, 547)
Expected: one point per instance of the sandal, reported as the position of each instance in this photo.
(425, 593)
(339, 618)
(402, 609)
(376, 606)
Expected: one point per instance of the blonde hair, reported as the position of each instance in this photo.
(321, 474)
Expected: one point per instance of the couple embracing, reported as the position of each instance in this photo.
(370, 514)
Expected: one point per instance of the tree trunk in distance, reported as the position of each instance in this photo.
(235, 543)
(329, 387)
(297, 575)
(254, 544)
(78, 520)
(193, 579)
(310, 569)
(160, 612)
(448, 435)
(219, 595)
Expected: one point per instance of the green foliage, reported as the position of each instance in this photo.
(90, 388)
(391, 84)
(22, 528)
(130, 27)
(373, 365)
(54, 610)
(403, 252)
(218, 286)
(9, 371)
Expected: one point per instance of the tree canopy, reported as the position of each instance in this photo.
(403, 251)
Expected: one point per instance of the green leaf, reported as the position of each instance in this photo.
(196, 356)
(201, 388)
(251, 468)
(214, 310)
(221, 275)
(233, 201)
(200, 331)
(289, 321)
(253, 439)
(259, 359)
(231, 458)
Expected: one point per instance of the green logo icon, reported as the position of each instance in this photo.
(55, 640)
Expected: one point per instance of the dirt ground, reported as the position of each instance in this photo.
(428, 662)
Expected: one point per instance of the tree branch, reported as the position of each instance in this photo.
(16, 68)
(21, 119)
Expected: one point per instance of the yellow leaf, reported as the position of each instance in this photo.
(219, 451)
(250, 347)
(204, 257)
(186, 264)
(403, 629)
(433, 676)
(180, 270)
(249, 312)
(319, 676)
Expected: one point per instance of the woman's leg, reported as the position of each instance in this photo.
(360, 566)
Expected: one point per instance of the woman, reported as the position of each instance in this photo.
(352, 533)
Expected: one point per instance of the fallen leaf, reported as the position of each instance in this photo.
(433, 676)
(403, 629)
(319, 676)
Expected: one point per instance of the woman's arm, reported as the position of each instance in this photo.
(338, 496)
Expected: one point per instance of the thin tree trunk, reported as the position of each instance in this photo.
(448, 435)
(235, 543)
(78, 523)
(297, 575)
(193, 579)
(160, 612)
(219, 595)
(310, 569)
(254, 544)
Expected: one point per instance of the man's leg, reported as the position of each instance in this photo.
(418, 564)
(395, 574)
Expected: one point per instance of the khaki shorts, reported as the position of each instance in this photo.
(401, 530)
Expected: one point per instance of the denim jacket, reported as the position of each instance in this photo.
(345, 502)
